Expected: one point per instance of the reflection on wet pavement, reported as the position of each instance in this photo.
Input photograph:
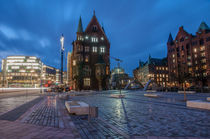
(137, 115)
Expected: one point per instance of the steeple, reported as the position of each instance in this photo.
(80, 28)
(203, 26)
(170, 39)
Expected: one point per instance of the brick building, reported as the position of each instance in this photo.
(90, 62)
(189, 57)
(153, 69)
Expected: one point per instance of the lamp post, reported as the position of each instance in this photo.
(62, 50)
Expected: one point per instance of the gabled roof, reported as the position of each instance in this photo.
(80, 28)
(203, 26)
(94, 22)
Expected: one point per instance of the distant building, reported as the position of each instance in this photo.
(69, 69)
(90, 60)
(48, 76)
(189, 55)
(119, 79)
(154, 69)
(58, 77)
(1, 79)
(21, 71)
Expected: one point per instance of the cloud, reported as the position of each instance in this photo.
(8, 32)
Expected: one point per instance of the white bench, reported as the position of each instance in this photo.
(77, 107)
(151, 95)
(198, 104)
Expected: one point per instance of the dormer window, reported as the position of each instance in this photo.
(94, 39)
(94, 28)
(80, 38)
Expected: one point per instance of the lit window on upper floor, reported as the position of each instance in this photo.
(173, 55)
(86, 37)
(202, 48)
(203, 60)
(195, 50)
(102, 49)
(94, 49)
(102, 38)
(94, 39)
(74, 62)
(195, 55)
(80, 38)
(203, 54)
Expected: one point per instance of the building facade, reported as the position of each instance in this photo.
(189, 57)
(154, 70)
(21, 71)
(90, 62)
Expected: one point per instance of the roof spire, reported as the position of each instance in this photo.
(80, 28)
(170, 39)
(94, 12)
(149, 59)
(203, 26)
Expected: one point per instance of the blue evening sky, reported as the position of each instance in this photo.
(135, 28)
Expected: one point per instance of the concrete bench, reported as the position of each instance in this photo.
(117, 95)
(77, 107)
(151, 95)
(187, 92)
(208, 98)
(198, 104)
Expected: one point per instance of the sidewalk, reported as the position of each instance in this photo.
(46, 119)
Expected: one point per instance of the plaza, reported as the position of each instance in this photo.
(134, 116)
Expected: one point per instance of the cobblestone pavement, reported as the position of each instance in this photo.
(136, 115)
(18, 130)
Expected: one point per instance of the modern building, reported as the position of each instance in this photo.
(90, 61)
(58, 77)
(189, 57)
(21, 71)
(119, 79)
(154, 70)
(48, 76)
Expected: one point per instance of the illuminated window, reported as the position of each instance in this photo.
(102, 38)
(195, 50)
(86, 81)
(203, 54)
(87, 48)
(74, 62)
(86, 58)
(173, 55)
(203, 60)
(102, 49)
(195, 55)
(204, 66)
(202, 48)
(94, 49)
(86, 37)
(94, 39)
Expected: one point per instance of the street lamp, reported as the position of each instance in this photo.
(62, 50)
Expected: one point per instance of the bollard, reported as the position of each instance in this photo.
(93, 112)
